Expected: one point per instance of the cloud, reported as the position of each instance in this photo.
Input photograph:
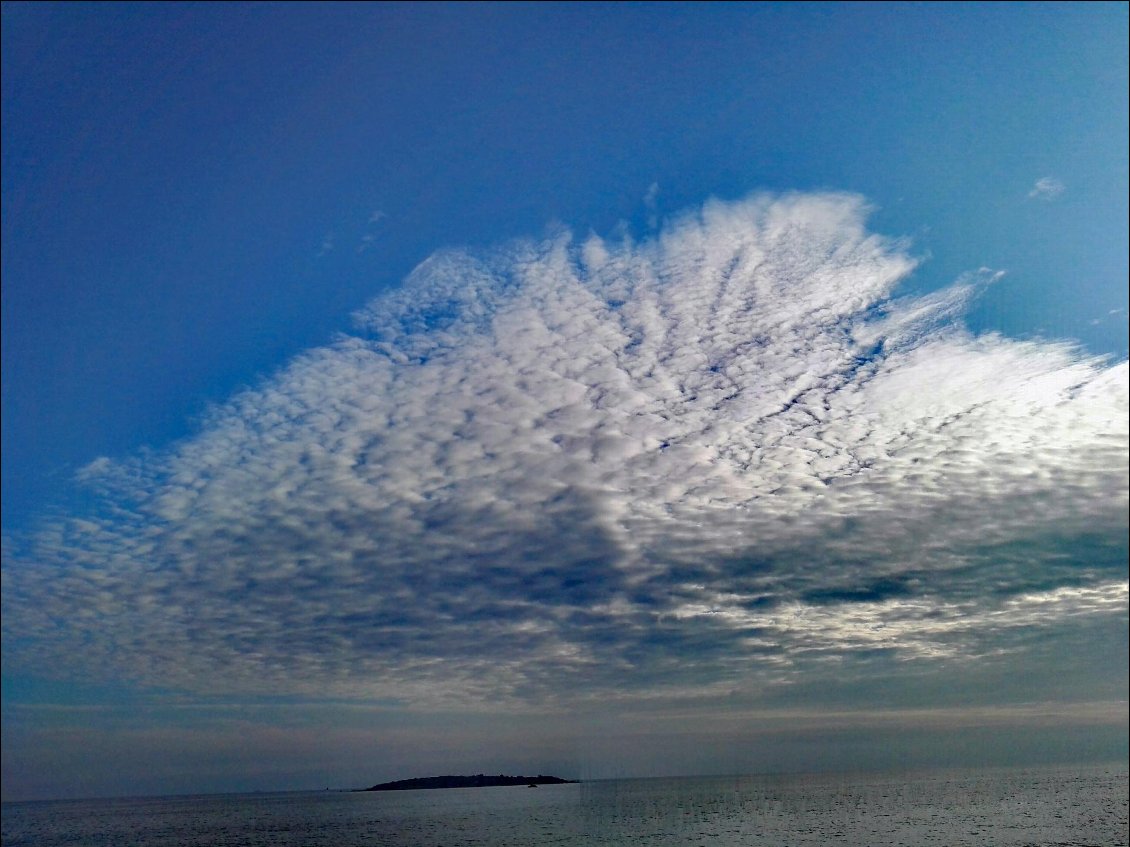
(651, 204)
(369, 237)
(1046, 188)
(726, 456)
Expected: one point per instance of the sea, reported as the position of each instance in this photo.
(1001, 807)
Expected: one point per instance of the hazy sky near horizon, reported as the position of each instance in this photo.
(592, 389)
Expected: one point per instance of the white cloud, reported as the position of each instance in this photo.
(556, 470)
(915, 627)
(1046, 188)
(369, 237)
(651, 204)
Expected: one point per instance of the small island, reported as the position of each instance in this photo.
(476, 781)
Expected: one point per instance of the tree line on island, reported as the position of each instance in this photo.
(476, 781)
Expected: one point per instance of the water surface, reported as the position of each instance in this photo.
(1031, 807)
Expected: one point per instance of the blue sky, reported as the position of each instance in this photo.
(383, 382)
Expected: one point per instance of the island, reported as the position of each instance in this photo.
(476, 781)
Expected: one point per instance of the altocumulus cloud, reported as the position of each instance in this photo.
(574, 469)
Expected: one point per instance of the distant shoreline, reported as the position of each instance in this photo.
(476, 781)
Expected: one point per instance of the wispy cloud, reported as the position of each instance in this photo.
(370, 236)
(561, 470)
(1046, 188)
(651, 204)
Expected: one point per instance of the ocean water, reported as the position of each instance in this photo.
(1060, 806)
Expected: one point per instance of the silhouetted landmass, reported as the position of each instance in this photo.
(476, 781)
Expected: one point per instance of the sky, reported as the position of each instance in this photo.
(591, 389)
